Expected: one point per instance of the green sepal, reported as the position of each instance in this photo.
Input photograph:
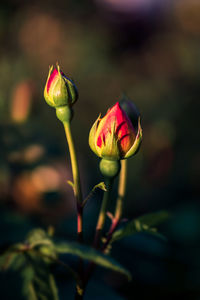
(59, 92)
(72, 91)
(110, 149)
(92, 137)
(134, 149)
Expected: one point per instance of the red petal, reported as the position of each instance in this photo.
(124, 131)
(51, 79)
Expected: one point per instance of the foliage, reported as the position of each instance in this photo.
(142, 224)
(33, 260)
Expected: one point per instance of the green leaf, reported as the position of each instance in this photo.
(35, 236)
(154, 219)
(143, 223)
(7, 260)
(100, 185)
(13, 257)
(32, 261)
(91, 254)
(39, 239)
(70, 183)
(53, 286)
(38, 282)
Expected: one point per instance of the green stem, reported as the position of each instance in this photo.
(102, 214)
(79, 200)
(76, 180)
(121, 190)
(74, 162)
(110, 170)
(119, 204)
(99, 226)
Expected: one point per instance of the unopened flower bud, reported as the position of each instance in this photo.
(113, 137)
(59, 92)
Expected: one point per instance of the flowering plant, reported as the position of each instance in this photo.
(113, 138)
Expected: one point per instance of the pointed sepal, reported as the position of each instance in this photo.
(134, 149)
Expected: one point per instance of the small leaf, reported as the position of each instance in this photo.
(70, 183)
(110, 215)
(100, 185)
(7, 260)
(18, 263)
(143, 223)
(38, 237)
(12, 258)
(93, 255)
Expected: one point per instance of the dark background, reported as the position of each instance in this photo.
(149, 49)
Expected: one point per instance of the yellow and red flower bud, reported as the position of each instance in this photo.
(59, 90)
(113, 137)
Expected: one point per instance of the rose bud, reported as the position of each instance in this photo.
(113, 137)
(59, 90)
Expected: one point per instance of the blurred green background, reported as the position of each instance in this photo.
(149, 49)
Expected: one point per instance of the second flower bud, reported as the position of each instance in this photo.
(59, 90)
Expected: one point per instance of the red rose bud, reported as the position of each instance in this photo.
(59, 90)
(113, 137)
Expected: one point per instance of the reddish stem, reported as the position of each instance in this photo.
(80, 222)
(113, 226)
